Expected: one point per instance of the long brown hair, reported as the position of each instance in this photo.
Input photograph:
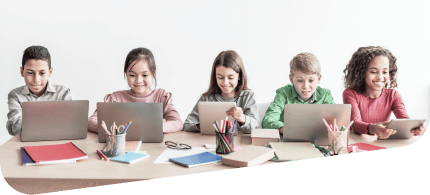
(228, 59)
(355, 71)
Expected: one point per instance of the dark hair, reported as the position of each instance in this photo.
(228, 59)
(36, 52)
(137, 54)
(355, 70)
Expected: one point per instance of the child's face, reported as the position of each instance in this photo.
(139, 77)
(377, 74)
(227, 80)
(305, 84)
(36, 74)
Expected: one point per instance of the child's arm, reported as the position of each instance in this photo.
(173, 120)
(14, 117)
(328, 98)
(192, 120)
(272, 117)
(250, 111)
(359, 126)
(92, 121)
(398, 106)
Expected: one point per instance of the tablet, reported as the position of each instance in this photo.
(209, 112)
(404, 127)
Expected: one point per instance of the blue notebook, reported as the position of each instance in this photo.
(26, 160)
(129, 157)
(196, 159)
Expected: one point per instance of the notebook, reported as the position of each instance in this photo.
(27, 161)
(197, 159)
(53, 154)
(249, 156)
(130, 157)
(364, 147)
(295, 150)
(262, 137)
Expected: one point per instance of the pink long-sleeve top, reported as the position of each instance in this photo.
(366, 110)
(170, 114)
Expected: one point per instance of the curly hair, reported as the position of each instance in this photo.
(355, 70)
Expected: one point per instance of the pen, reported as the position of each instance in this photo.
(349, 125)
(326, 124)
(126, 127)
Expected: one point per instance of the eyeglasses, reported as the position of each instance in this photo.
(177, 145)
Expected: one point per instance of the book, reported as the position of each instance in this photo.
(27, 161)
(364, 147)
(54, 154)
(249, 156)
(295, 150)
(130, 157)
(196, 159)
(262, 137)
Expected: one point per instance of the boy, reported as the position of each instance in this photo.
(36, 69)
(305, 75)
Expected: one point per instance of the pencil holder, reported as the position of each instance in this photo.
(338, 141)
(224, 143)
(115, 145)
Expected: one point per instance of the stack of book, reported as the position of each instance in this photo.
(262, 137)
(249, 156)
(51, 154)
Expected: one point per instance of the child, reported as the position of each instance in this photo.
(368, 74)
(305, 75)
(36, 69)
(228, 83)
(140, 70)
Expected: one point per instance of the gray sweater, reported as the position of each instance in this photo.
(246, 101)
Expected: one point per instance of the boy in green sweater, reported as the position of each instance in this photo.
(305, 75)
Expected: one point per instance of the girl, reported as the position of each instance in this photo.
(140, 70)
(228, 83)
(370, 77)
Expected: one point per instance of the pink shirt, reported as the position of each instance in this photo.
(366, 110)
(170, 114)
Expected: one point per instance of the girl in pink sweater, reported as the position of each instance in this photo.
(370, 77)
(140, 70)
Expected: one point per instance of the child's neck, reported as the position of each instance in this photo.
(373, 93)
(228, 95)
(41, 92)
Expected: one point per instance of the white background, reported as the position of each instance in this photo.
(89, 41)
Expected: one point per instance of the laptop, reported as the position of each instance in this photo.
(209, 112)
(147, 120)
(303, 122)
(54, 120)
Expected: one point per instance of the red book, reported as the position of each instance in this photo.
(364, 147)
(48, 154)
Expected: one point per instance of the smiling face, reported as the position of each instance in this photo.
(227, 80)
(305, 84)
(36, 74)
(139, 77)
(377, 75)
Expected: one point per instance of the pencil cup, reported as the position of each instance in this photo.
(224, 143)
(338, 141)
(115, 145)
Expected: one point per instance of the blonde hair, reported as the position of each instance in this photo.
(306, 62)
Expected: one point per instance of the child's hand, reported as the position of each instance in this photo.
(237, 113)
(418, 130)
(281, 130)
(380, 130)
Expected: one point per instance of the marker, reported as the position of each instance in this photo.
(127, 127)
(347, 127)
(342, 128)
(326, 124)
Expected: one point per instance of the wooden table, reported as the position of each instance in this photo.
(95, 172)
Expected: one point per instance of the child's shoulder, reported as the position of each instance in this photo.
(285, 89)
(57, 88)
(17, 90)
(322, 90)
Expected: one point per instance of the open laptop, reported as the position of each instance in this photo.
(303, 122)
(209, 112)
(147, 120)
(54, 120)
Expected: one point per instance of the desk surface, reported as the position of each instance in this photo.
(95, 169)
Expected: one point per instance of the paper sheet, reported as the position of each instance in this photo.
(172, 153)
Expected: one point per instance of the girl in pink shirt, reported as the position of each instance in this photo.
(140, 70)
(370, 79)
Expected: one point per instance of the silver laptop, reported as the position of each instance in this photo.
(147, 120)
(54, 120)
(209, 112)
(303, 122)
